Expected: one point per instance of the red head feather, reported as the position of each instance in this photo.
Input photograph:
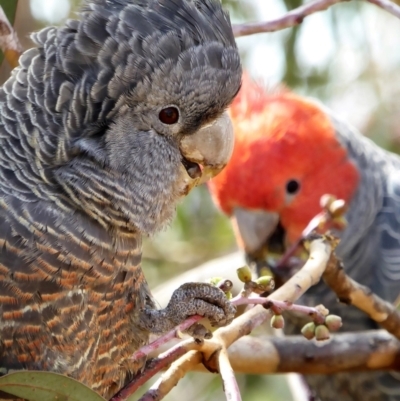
(282, 137)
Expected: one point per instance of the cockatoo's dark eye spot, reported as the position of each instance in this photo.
(169, 115)
(292, 187)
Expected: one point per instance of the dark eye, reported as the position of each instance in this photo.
(169, 115)
(292, 187)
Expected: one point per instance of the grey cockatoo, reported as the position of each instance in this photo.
(290, 151)
(104, 127)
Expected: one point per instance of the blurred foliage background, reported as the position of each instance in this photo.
(346, 56)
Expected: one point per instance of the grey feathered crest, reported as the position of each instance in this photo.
(80, 75)
(119, 43)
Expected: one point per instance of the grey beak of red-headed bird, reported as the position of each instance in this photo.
(254, 227)
(211, 148)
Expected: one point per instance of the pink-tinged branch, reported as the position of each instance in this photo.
(387, 5)
(153, 367)
(275, 306)
(311, 226)
(322, 261)
(309, 275)
(332, 214)
(296, 16)
(294, 288)
(147, 349)
(290, 19)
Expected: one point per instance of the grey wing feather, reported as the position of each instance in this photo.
(387, 275)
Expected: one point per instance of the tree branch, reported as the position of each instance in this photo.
(353, 293)
(387, 5)
(375, 350)
(310, 274)
(231, 387)
(360, 351)
(296, 16)
(350, 351)
(168, 380)
(290, 19)
(154, 366)
(294, 288)
(147, 349)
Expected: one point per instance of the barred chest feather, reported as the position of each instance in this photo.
(70, 309)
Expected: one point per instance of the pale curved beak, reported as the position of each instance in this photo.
(211, 147)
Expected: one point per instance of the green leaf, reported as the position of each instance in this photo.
(46, 386)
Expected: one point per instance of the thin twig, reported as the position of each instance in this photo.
(387, 5)
(309, 275)
(147, 349)
(290, 19)
(370, 351)
(275, 306)
(168, 380)
(331, 216)
(311, 226)
(293, 289)
(321, 262)
(279, 306)
(231, 387)
(296, 16)
(153, 367)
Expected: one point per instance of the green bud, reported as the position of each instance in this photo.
(308, 330)
(322, 333)
(244, 274)
(277, 322)
(265, 271)
(265, 283)
(333, 322)
(215, 280)
(223, 284)
(322, 310)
